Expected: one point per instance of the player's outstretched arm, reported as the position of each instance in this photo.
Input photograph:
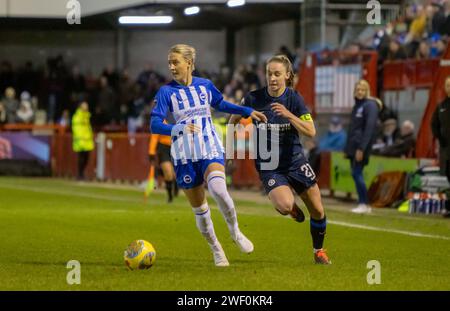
(228, 107)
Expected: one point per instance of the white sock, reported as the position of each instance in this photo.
(204, 223)
(217, 187)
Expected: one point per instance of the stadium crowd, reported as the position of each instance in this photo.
(120, 102)
(115, 98)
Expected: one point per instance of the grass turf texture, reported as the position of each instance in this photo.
(47, 222)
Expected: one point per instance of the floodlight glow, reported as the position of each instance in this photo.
(145, 19)
(234, 3)
(191, 10)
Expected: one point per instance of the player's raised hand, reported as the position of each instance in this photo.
(280, 110)
(258, 116)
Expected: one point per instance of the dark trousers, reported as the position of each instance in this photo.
(83, 158)
(357, 174)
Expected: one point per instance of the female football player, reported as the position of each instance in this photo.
(197, 153)
(288, 116)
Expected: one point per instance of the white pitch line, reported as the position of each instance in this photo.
(334, 222)
(416, 234)
(69, 193)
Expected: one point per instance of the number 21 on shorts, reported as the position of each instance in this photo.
(308, 171)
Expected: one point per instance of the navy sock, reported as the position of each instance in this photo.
(318, 230)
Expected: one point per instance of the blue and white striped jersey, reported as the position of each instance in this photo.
(191, 104)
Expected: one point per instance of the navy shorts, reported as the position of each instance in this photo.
(190, 175)
(300, 178)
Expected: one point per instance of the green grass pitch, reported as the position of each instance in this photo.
(47, 222)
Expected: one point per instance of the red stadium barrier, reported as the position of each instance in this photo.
(58, 129)
(126, 157)
(64, 159)
(398, 75)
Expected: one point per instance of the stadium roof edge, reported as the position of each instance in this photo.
(58, 9)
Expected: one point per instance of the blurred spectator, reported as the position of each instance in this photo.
(83, 137)
(112, 76)
(2, 114)
(106, 103)
(25, 114)
(410, 14)
(65, 118)
(438, 46)
(56, 79)
(76, 88)
(11, 104)
(418, 25)
(146, 74)
(335, 138)
(396, 51)
(423, 52)
(135, 109)
(404, 145)
(388, 135)
(125, 95)
(436, 18)
(154, 82)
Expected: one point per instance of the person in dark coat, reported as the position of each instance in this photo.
(440, 126)
(360, 137)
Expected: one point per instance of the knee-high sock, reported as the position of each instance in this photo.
(218, 188)
(318, 230)
(204, 223)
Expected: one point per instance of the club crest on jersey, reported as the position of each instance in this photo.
(271, 182)
(202, 97)
(187, 179)
(359, 112)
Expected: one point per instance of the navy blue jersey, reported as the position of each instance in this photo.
(291, 150)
